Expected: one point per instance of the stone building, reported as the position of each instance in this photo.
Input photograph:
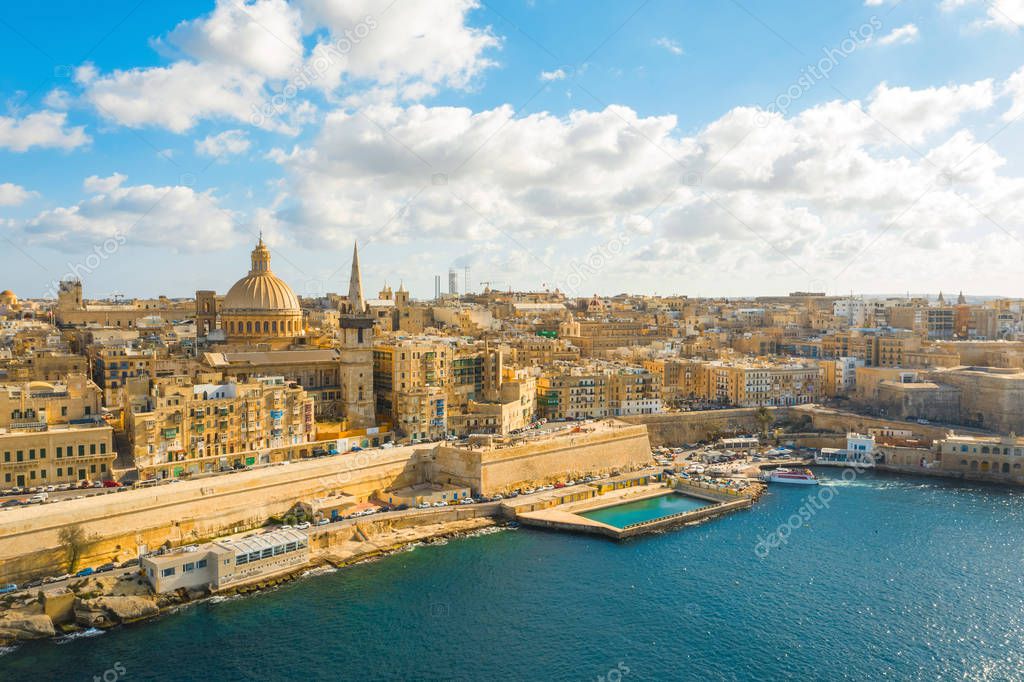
(52, 433)
(185, 428)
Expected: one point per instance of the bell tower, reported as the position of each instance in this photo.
(356, 361)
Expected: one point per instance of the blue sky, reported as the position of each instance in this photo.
(669, 147)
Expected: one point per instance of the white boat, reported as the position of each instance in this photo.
(791, 476)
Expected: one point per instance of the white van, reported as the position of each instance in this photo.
(38, 498)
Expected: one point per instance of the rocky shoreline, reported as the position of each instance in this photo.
(105, 602)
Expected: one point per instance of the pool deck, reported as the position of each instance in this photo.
(567, 516)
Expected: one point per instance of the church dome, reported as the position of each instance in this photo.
(261, 290)
(260, 307)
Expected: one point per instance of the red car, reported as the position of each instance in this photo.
(112, 484)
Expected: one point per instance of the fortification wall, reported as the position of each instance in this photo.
(186, 512)
(619, 446)
(675, 428)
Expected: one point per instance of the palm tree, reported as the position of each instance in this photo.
(764, 419)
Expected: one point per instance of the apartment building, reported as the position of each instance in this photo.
(184, 428)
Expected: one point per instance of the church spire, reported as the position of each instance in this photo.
(356, 302)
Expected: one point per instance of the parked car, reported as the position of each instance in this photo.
(111, 484)
(441, 503)
(85, 572)
(11, 503)
(129, 563)
(38, 498)
(322, 522)
(109, 566)
(466, 500)
(8, 588)
(302, 526)
(423, 505)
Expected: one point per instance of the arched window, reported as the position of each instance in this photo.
(273, 326)
(266, 326)
(248, 327)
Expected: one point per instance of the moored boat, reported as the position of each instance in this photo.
(792, 476)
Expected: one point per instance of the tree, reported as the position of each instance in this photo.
(74, 541)
(764, 419)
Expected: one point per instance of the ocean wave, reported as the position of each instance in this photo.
(91, 632)
(319, 570)
(4, 650)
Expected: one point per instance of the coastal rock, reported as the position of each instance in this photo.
(127, 609)
(107, 611)
(17, 627)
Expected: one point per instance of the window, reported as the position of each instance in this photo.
(188, 568)
(240, 559)
(103, 448)
(42, 453)
(92, 449)
(267, 553)
(81, 451)
(167, 572)
(201, 563)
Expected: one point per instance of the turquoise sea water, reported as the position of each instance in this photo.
(898, 578)
(622, 515)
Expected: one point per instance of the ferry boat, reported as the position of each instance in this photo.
(792, 476)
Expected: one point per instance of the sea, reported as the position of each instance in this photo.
(869, 576)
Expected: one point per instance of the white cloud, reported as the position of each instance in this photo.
(41, 129)
(262, 37)
(798, 197)
(247, 62)
(1014, 88)
(94, 184)
(556, 75)
(57, 99)
(227, 143)
(397, 44)
(14, 195)
(912, 115)
(669, 44)
(902, 35)
(1007, 15)
(178, 96)
(172, 217)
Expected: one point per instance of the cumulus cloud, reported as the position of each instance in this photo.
(901, 35)
(247, 62)
(14, 195)
(766, 193)
(227, 143)
(174, 217)
(40, 129)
